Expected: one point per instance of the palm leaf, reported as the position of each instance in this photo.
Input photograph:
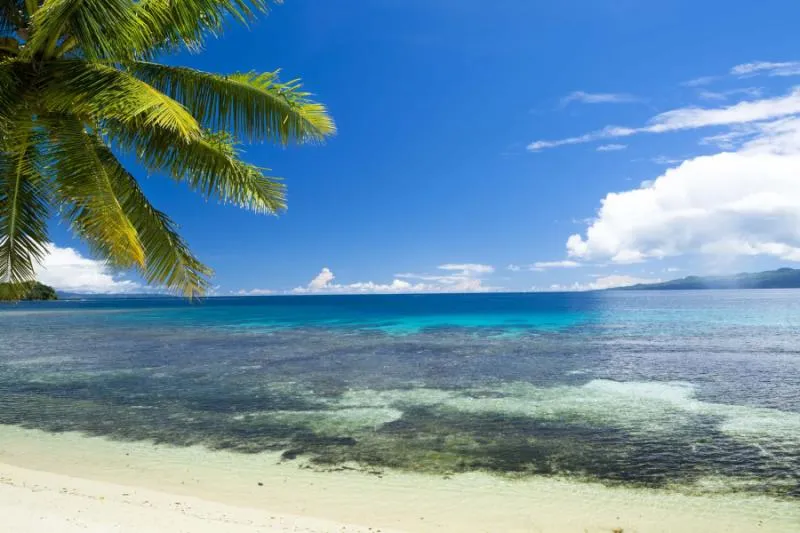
(86, 193)
(11, 90)
(209, 165)
(23, 205)
(75, 82)
(256, 106)
(100, 28)
(9, 47)
(168, 260)
(187, 22)
(12, 15)
(102, 92)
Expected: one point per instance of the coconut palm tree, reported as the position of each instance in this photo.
(79, 87)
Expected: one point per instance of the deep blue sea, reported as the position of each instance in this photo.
(694, 391)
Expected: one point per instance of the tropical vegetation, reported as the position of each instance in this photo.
(32, 290)
(80, 86)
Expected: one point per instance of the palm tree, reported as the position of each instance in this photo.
(79, 85)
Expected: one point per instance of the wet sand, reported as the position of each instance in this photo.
(68, 482)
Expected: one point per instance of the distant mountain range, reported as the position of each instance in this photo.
(783, 278)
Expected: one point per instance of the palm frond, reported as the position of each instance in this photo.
(86, 194)
(8, 92)
(209, 164)
(23, 205)
(102, 29)
(255, 106)
(186, 23)
(12, 15)
(105, 93)
(76, 84)
(9, 47)
(168, 260)
(12, 89)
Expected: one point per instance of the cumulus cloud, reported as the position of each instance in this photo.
(784, 68)
(688, 118)
(744, 202)
(396, 286)
(599, 284)
(598, 98)
(466, 277)
(65, 269)
(611, 147)
(322, 280)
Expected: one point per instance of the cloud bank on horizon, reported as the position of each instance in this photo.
(456, 278)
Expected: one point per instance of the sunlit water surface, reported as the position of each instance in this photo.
(694, 391)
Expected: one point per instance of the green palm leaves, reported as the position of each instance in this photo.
(78, 86)
(23, 207)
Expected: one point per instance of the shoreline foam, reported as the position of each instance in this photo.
(62, 477)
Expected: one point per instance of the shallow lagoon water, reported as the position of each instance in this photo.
(695, 391)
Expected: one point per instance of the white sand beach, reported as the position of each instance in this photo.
(71, 483)
(35, 502)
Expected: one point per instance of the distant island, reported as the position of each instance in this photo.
(31, 291)
(783, 278)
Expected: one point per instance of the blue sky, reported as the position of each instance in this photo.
(439, 107)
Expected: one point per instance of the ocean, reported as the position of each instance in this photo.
(694, 392)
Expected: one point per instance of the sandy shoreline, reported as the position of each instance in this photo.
(34, 502)
(68, 482)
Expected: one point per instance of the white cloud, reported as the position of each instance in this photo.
(688, 118)
(732, 203)
(459, 278)
(664, 160)
(598, 98)
(730, 140)
(741, 113)
(599, 284)
(611, 147)
(67, 270)
(543, 265)
(711, 95)
(254, 292)
(698, 82)
(322, 280)
(396, 286)
(751, 92)
(785, 68)
(468, 267)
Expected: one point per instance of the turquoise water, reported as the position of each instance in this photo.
(696, 391)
